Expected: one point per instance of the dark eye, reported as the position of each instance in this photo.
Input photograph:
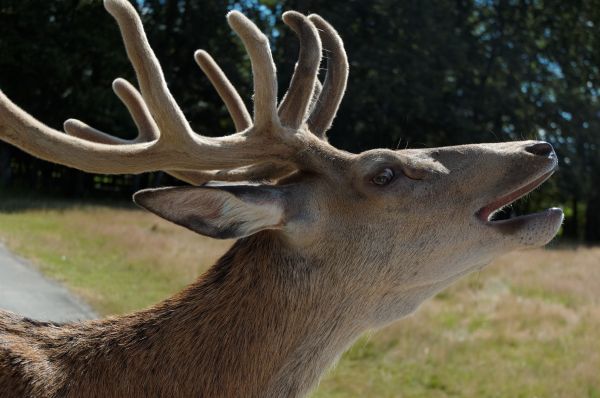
(384, 177)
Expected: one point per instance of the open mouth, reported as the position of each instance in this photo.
(486, 213)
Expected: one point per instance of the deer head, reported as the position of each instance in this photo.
(380, 231)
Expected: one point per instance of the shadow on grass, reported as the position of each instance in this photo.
(20, 201)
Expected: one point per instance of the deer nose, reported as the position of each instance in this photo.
(540, 149)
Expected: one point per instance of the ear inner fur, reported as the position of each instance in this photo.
(223, 213)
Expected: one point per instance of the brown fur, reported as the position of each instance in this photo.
(231, 334)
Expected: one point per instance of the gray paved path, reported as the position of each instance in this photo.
(25, 291)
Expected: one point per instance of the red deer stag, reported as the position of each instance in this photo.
(331, 243)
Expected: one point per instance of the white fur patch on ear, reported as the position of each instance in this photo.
(252, 217)
(215, 212)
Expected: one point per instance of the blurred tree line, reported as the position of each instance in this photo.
(422, 73)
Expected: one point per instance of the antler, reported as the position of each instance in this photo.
(267, 147)
(334, 86)
(228, 93)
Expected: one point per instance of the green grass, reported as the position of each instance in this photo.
(118, 259)
(86, 262)
(529, 326)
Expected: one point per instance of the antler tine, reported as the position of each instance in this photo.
(295, 103)
(79, 129)
(263, 70)
(314, 98)
(335, 80)
(156, 94)
(228, 93)
(132, 99)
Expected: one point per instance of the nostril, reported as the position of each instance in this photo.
(540, 149)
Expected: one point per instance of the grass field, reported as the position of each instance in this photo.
(528, 326)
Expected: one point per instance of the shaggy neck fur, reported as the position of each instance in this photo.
(256, 325)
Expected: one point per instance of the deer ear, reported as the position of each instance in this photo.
(219, 212)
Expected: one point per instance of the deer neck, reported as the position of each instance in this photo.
(259, 323)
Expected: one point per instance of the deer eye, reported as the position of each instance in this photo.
(384, 177)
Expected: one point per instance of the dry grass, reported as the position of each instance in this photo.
(528, 326)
